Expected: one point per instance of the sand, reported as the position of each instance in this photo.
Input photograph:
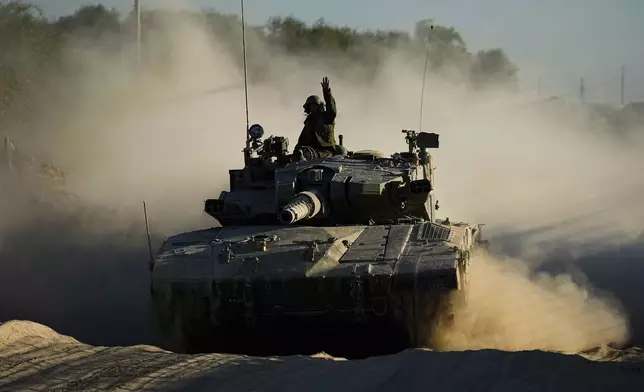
(33, 357)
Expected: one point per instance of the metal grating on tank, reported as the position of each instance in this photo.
(433, 232)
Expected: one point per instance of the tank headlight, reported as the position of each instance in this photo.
(256, 131)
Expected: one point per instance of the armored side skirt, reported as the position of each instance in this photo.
(352, 316)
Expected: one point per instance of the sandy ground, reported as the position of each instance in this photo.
(33, 357)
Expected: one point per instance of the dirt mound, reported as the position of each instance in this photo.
(34, 357)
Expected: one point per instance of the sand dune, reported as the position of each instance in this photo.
(33, 357)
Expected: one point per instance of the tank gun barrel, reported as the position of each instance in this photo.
(304, 205)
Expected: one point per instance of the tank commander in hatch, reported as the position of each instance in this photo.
(319, 125)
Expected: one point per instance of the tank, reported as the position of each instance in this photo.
(341, 254)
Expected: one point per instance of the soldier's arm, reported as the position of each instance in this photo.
(331, 110)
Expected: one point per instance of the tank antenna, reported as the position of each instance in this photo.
(147, 232)
(243, 26)
(422, 89)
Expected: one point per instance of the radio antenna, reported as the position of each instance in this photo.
(243, 26)
(422, 90)
(147, 233)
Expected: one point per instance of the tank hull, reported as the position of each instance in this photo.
(299, 290)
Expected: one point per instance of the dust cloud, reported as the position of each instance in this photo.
(539, 177)
(510, 308)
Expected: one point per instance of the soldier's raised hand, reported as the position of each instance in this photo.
(325, 83)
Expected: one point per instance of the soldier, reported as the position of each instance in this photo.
(319, 125)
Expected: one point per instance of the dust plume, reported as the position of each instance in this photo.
(169, 131)
(509, 307)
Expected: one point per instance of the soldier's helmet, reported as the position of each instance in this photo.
(313, 103)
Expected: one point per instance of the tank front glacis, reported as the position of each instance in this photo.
(337, 244)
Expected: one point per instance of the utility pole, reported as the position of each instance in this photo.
(621, 87)
(582, 90)
(137, 11)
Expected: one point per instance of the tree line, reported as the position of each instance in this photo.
(33, 46)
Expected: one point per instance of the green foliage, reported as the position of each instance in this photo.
(33, 47)
(27, 42)
(91, 21)
(493, 67)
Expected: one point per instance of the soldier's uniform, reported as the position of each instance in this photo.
(319, 126)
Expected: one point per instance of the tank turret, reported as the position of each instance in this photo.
(362, 187)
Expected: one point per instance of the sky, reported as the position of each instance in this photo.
(554, 42)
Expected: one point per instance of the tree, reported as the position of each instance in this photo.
(90, 21)
(33, 47)
(21, 25)
(493, 67)
(26, 42)
(447, 47)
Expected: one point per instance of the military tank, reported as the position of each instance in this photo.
(341, 254)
